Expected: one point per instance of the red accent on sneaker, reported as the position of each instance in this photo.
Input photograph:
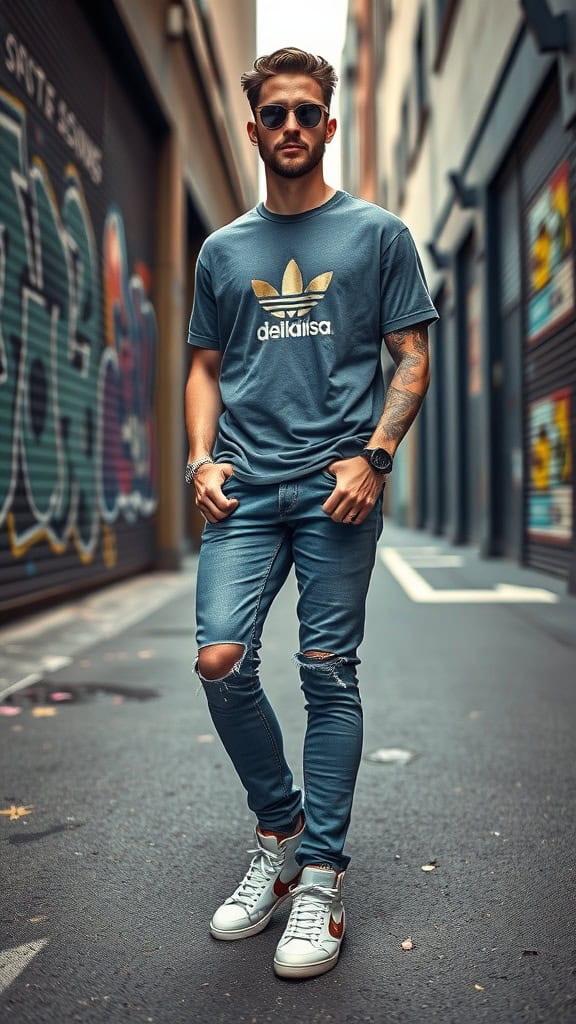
(281, 888)
(282, 835)
(336, 928)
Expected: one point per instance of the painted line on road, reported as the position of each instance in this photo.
(21, 684)
(14, 961)
(97, 618)
(436, 561)
(36, 625)
(420, 591)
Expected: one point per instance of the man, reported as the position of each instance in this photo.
(290, 444)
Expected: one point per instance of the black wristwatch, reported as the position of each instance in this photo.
(379, 459)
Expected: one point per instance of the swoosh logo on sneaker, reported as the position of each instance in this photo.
(281, 888)
(336, 928)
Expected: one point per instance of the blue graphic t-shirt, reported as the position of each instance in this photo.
(298, 306)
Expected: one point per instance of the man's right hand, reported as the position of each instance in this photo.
(210, 498)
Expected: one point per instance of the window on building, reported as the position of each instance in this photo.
(399, 173)
(402, 151)
(445, 11)
(422, 104)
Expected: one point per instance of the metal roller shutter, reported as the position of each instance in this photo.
(78, 337)
(546, 164)
(508, 346)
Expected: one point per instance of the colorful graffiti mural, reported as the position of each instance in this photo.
(550, 497)
(78, 342)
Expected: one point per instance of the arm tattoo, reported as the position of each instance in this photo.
(399, 412)
(409, 350)
(410, 340)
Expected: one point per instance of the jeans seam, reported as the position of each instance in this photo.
(286, 511)
(273, 744)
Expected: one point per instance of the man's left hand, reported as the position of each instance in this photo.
(356, 491)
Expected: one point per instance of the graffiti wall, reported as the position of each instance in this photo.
(550, 495)
(78, 337)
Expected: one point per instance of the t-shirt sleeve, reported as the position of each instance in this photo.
(203, 330)
(404, 296)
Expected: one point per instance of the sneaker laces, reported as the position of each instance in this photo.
(310, 905)
(262, 869)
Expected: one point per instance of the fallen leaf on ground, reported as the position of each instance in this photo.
(479, 988)
(206, 738)
(37, 920)
(13, 812)
(42, 712)
(431, 866)
(408, 943)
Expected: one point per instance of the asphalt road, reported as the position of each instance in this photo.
(126, 825)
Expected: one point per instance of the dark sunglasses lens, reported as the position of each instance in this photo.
(273, 115)
(308, 115)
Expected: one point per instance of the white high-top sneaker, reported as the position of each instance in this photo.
(269, 881)
(312, 938)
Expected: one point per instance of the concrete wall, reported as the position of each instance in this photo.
(479, 43)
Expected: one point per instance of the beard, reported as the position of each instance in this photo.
(292, 167)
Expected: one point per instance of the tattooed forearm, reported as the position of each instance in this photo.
(400, 411)
(409, 350)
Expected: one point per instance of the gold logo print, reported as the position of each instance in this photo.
(294, 300)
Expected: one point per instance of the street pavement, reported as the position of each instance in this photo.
(123, 826)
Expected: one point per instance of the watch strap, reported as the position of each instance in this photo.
(193, 467)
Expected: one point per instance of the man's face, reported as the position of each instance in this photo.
(291, 151)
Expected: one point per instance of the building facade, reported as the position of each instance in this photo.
(476, 152)
(121, 148)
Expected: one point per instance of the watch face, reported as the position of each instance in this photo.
(381, 460)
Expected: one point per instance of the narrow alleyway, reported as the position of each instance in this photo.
(122, 825)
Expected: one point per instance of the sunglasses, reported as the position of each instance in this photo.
(308, 115)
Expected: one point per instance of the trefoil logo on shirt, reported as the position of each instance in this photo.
(294, 301)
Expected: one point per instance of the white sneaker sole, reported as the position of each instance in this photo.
(306, 970)
(252, 929)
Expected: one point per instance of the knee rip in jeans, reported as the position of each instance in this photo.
(220, 681)
(324, 663)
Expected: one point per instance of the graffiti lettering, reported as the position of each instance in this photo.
(29, 74)
(75, 406)
(33, 79)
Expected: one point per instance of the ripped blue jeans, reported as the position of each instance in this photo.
(244, 561)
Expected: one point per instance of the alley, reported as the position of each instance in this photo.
(122, 824)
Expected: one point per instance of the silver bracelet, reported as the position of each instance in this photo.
(193, 467)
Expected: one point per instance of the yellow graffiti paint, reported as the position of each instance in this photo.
(109, 547)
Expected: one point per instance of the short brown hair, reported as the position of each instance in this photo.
(292, 61)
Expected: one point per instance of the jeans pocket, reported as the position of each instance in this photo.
(328, 475)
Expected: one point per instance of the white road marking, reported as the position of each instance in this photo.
(13, 961)
(100, 616)
(54, 662)
(419, 590)
(20, 684)
(436, 561)
(36, 625)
